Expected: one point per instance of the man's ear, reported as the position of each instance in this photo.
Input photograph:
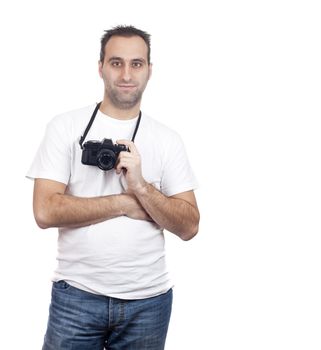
(150, 70)
(100, 67)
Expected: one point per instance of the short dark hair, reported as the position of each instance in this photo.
(125, 31)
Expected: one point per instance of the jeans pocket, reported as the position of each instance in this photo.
(61, 285)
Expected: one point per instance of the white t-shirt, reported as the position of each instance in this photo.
(121, 257)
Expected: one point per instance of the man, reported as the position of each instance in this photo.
(111, 288)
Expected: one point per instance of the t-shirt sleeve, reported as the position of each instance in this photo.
(53, 158)
(177, 175)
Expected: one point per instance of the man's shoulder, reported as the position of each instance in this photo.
(156, 127)
(75, 114)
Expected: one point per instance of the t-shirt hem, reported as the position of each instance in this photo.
(47, 177)
(125, 296)
(172, 191)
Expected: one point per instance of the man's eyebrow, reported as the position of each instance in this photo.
(117, 58)
(140, 59)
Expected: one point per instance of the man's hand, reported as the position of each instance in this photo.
(130, 164)
(133, 209)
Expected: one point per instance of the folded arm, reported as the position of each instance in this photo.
(178, 214)
(53, 208)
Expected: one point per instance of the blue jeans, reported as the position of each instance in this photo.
(85, 321)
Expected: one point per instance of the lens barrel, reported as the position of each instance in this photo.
(106, 159)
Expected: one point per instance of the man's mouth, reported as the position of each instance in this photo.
(126, 86)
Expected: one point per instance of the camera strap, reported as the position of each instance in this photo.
(82, 138)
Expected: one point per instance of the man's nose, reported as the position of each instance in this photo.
(126, 72)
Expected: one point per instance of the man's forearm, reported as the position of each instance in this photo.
(174, 214)
(61, 210)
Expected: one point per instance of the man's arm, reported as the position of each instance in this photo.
(53, 208)
(178, 214)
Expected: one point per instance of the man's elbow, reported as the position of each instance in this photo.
(42, 218)
(189, 233)
(192, 229)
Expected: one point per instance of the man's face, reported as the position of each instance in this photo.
(125, 70)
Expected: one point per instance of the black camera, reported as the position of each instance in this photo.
(103, 153)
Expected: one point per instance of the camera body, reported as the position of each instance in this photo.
(103, 154)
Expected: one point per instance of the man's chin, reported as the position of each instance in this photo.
(127, 101)
(126, 104)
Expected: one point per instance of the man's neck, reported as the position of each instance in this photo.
(117, 113)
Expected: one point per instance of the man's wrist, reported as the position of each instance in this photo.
(122, 200)
(141, 189)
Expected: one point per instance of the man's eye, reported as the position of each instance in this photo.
(137, 64)
(116, 64)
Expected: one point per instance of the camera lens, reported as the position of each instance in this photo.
(106, 159)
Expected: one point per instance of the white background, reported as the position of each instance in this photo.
(241, 82)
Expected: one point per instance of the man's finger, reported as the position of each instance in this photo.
(131, 146)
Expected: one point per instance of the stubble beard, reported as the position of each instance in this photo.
(122, 100)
